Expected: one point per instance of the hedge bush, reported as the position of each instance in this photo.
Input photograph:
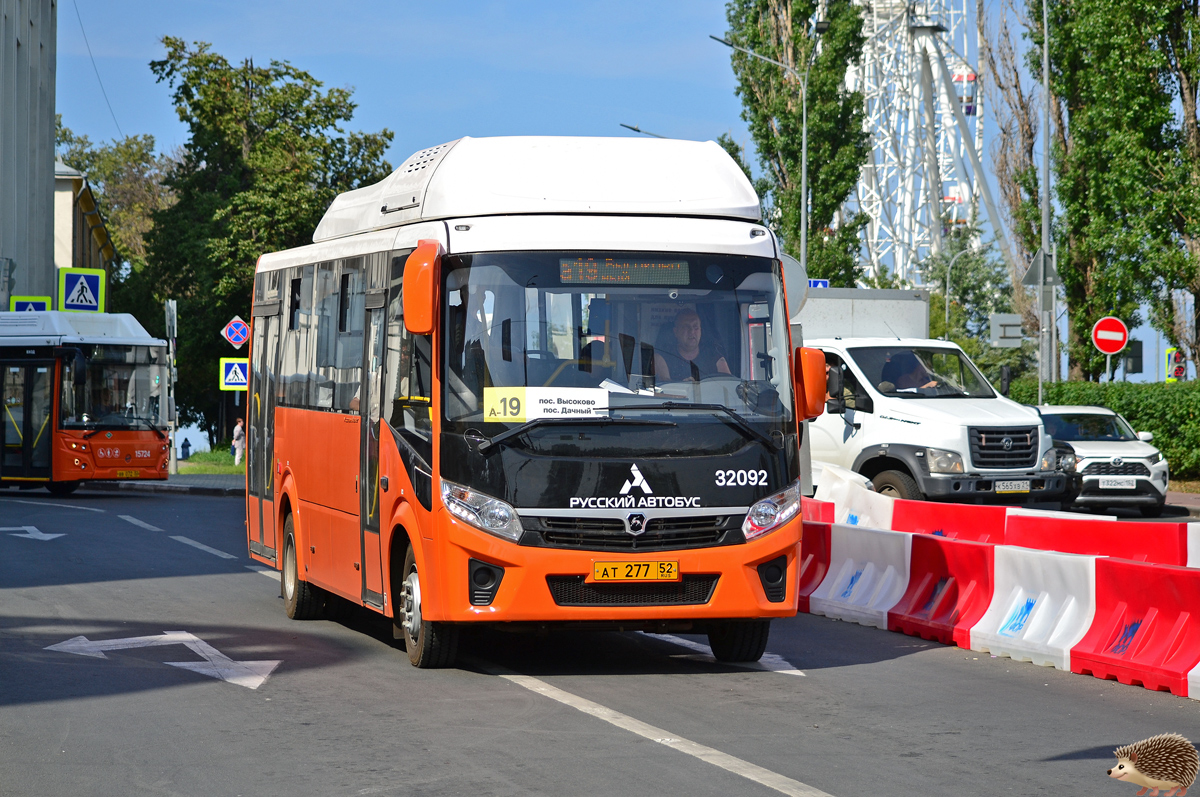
(1170, 411)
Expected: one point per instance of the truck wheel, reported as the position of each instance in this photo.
(301, 600)
(429, 644)
(739, 640)
(897, 484)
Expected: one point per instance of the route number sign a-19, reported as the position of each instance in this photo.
(1110, 335)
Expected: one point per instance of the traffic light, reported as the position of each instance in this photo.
(1133, 357)
(1176, 365)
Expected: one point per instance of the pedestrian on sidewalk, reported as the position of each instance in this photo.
(239, 442)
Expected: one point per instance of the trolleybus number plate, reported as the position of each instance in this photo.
(128, 474)
(1016, 486)
(636, 571)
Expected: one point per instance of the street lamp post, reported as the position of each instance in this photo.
(819, 27)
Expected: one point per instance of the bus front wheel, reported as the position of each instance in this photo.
(62, 488)
(429, 644)
(301, 600)
(739, 640)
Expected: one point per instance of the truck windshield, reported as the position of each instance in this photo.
(125, 388)
(562, 336)
(1086, 428)
(921, 372)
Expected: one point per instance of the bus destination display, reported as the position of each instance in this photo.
(611, 271)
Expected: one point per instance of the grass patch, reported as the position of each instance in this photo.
(1182, 486)
(211, 462)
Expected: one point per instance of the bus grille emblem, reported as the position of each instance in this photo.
(636, 522)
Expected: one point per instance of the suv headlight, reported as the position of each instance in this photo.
(772, 512)
(481, 511)
(1067, 462)
(941, 461)
(1155, 458)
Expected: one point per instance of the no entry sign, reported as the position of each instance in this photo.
(1110, 335)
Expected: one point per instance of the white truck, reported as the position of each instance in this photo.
(917, 418)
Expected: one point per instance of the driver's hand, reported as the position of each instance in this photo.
(930, 383)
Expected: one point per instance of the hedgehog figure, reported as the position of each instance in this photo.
(1167, 761)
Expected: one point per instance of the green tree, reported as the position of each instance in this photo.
(265, 156)
(838, 146)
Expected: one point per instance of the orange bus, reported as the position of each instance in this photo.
(85, 399)
(529, 381)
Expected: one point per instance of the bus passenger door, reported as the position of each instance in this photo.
(369, 497)
(27, 421)
(261, 462)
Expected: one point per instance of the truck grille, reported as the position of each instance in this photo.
(989, 448)
(608, 534)
(693, 590)
(1109, 469)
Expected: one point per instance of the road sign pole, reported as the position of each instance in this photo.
(1108, 366)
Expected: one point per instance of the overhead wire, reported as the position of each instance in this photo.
(96, 69)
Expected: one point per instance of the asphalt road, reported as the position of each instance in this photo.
(861, 711)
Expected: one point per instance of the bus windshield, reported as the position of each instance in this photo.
(125, 388)
(630, 337)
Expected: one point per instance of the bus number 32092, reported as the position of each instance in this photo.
(740, 478)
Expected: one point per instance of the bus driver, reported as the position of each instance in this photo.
(687, 358)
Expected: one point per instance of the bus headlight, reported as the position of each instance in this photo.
(941, 461)
(481, 511)
(772, 512)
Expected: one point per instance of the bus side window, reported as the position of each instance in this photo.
(296, 363)
(340, 314)
(408, 389)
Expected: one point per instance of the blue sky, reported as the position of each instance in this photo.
(431, 72)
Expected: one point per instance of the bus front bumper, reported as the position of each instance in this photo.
(549, 585)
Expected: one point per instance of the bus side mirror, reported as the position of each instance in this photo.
(809, 380)
(420, 287)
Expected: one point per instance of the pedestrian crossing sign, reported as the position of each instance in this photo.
(28, 304)
(81, 290)
(235, 373)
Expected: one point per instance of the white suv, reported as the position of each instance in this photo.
(1119, 467)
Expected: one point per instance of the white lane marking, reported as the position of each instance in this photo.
(56, 506)
(250, 674)
(772, 780)
(31, 532)
(266, 571)
(136, 522)
(769, 662)
(204, 548)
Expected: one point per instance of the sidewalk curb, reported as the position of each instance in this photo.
(162, 487)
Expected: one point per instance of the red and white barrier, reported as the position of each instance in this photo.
(854, 504)
(1146, 629)
(953, 521)
(1162, 543)
(1042, 605)
(868, 573)
(1193, 559)
(814, 560)
(817, 511)
(949, 589)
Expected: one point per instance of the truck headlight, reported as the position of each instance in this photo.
(772, 512)
(941, 461)
(481, 511)
(1049, 460)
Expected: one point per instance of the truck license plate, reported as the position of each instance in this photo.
(636, 571)
(1014, 486)
(1113, 483)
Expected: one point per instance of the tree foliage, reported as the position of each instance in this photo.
(266, 154)
(837, 143)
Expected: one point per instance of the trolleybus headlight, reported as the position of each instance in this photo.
(941, 461)
(772, 512)
(481, 511)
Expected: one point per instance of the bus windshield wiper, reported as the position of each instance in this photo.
(734, 419)
(508, 434)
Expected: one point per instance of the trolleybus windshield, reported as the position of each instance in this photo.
(566, 338)
(124, 388)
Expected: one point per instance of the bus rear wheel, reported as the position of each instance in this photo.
(739, 640)
(301, 600)
(62, 488)
(429, 644)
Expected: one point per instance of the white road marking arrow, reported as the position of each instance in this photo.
(250, 674)
(31, 532)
